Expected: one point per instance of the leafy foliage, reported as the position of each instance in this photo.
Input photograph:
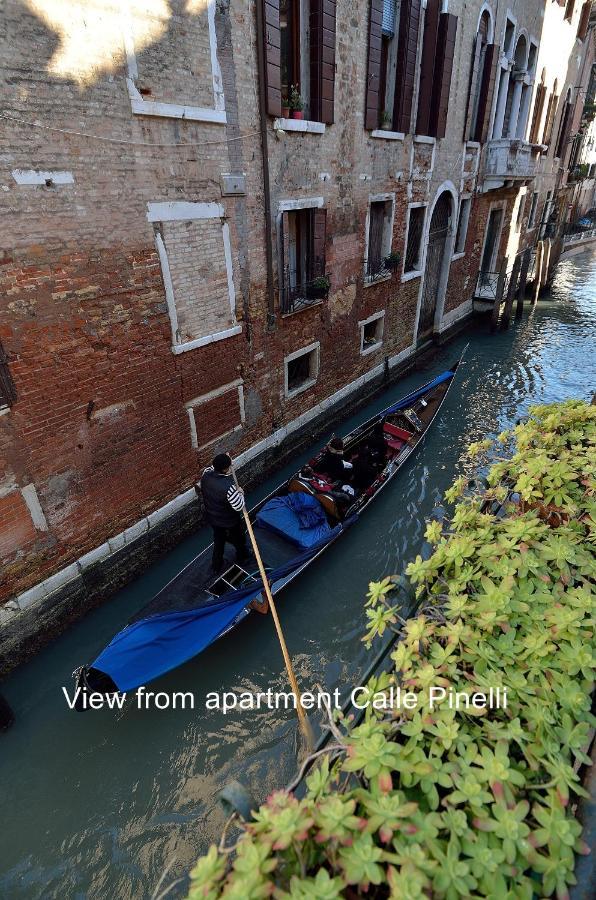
(434, 801)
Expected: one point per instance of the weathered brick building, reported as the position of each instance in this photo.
(188, 267)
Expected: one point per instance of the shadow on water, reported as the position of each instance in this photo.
(97, 804)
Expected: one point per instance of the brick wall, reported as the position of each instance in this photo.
(101, 424)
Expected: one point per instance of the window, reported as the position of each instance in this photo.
(462, 224)
(546, 212)
(550, 115)
(436, 65)
(569, 10)
(300, 52)
(8, 393)
(414, 239)
(193, 243)
(303, 278)
(520, 211)
(392, 53)
(538, 109)
(564, 127)
(301, 370)
(371, 333)
(584, 20)
(533, 205)
(380, 228)
(482, 76)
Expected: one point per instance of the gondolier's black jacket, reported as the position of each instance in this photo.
(222, 499)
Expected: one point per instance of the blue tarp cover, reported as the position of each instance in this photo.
(298, 517)
(405, 402)
(150, 647)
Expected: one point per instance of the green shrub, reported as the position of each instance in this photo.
(435, 802)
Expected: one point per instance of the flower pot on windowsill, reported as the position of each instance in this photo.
(297, 113)
(318, 289)
(392, 262)
(285, 112)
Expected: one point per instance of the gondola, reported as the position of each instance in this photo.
(293, 525)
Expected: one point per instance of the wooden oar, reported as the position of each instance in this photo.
(304, 723)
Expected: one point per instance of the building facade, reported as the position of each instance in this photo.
(189, 265)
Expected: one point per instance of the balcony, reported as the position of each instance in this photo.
(295, 295)
(509, 160)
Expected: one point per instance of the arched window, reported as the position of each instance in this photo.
(480, 78)
(512, 124)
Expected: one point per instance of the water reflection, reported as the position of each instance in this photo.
(97, 805)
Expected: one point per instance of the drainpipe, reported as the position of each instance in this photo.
(265, 155)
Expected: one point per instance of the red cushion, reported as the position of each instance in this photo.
(396, 432)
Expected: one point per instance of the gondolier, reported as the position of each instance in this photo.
(224, 502)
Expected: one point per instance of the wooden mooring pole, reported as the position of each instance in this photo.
(522, 286)
(499, 294)
(538, 271)
(511, 288)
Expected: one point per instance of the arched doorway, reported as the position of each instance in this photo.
(433, 270)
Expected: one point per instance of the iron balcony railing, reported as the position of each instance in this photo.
(487, 284)
(580, 236)
(376, 270)
(295, 295)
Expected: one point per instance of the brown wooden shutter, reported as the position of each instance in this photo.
(584, 21)
(550, 118)
(443, 70)
(427, 65)
(489, 77)
(373, 76)
(564, 130)
(8, 393)
(472, 87)
(407, 50)
(319, 240)
(322, 60)
(272, 55)
(537, 115)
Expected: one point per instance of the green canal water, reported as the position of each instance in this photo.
(97, 805)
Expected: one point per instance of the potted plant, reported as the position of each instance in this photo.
(285, 108)
(392, 261)
(296, 103)
(318, 288)
(386, 123)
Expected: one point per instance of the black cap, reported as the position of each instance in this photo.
(222, 462)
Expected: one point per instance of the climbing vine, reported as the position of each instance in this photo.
(432, 801)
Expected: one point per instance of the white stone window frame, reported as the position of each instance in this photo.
(495, 205)
(185, 211)
(459, 254)
(315, 349)
(197, 402)
(376, 317)
(415, 273)
(285, 206)
(379, 198)
(142, 107)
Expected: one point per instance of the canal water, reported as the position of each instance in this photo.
(97, 805)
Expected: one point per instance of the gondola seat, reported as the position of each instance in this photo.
(395, 437)
(298, 517)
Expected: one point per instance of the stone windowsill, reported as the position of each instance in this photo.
(303, 125)
(4, 410)
(459, 255)
(387, 135)
(424, 139)
(369, 282)
(371, 348)
(208, 339)
(301, 308)
(409, 276)
(303, 387)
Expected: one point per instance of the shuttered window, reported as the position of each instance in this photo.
(584, 21)
(564, 130)
(392, 51)
(8, 393)
(405, 76)
(438, 51)
(322, 60)
(379, 238)
(303, 238)
(284, 55)
(489, 77)
(481, 84)
(537, 115)
(550, 117)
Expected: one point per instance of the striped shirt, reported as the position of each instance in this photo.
(235, 498)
